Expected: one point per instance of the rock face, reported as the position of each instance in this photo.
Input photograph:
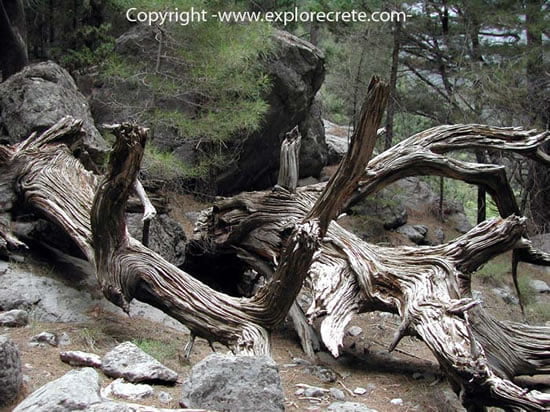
(75, 391)
(231, 383)
(131, 363)
(53, 297)
(11, 376)
(166, 236)
(37, 97)
(297, 72)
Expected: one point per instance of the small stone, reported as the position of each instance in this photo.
(299, 392)
(540, 286)
(337, 394)
(78, 358)
(64, 339)
(14, 318)
(300, 361)
(134, 392)
(314, 392)
(355, 331)
(360, 391)
(164, 397)
(397, 401)
(45, 337)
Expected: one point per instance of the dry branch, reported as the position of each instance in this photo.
(429, 287)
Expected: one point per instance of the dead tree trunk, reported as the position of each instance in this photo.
(291, 235)
(429, 287)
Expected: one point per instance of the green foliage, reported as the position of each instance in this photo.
(159, 165)
(494, 271)
(213, 76)
(94, 45)
(528, 293)
(161, 351)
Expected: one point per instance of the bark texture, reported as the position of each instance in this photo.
(292, 239)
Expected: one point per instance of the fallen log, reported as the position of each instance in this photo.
(291, 237)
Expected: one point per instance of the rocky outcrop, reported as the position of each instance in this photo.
(11, 376)
(131, 363)
(56, 297)
(296, 70)
(36, 98)
(234, 383)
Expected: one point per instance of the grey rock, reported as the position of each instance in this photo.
(360, 391)
(78, 358)
(297, 72)
(77, 390)
(349, 407)
(53, 297)
(438, 236)
(131, 363)
(506, 294)
(64, 339)
(166, 236)
(14, 318)
(45, 337)
(226, 382)
(397, 401)
(337, 394)
(416, 233)
(460, 222)
(131, 391)
(306, 181)
(539, 286)
(324, 374)
(11, 375)
(337, 140)
(300, 361)
(37, 97)
(393, 216)
(119, 406)
(164, 397)
(355, 331)
(313, 149)
(314, 392)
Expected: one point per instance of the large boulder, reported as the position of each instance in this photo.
(54, 296)
(234, 383)
(11, 376)
(296, 70)
(37, 97)
(75, 391)
(166, 236)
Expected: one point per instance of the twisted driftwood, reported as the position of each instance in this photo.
(289, 236)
